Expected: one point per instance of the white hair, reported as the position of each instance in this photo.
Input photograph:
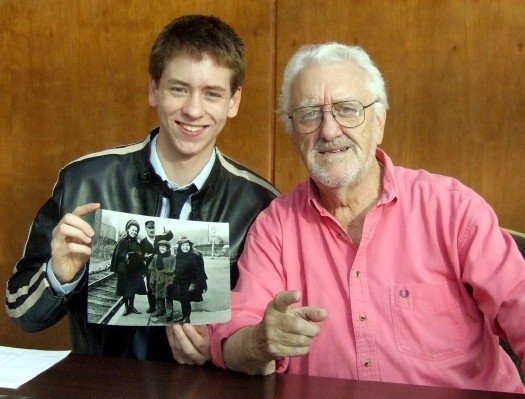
(329, 53)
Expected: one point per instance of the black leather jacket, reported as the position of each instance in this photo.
(122, 179)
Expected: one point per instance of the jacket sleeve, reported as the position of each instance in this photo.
(30, 301)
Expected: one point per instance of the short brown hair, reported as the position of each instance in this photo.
(196, 35)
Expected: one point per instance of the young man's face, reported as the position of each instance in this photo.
(193, 100)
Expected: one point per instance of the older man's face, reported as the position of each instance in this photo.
(336, 156)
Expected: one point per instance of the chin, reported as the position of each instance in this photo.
(336, 176)
(334, 181)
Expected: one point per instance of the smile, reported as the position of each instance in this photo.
(344, 149)
(191, 128)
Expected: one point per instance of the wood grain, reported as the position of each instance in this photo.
(73, 80)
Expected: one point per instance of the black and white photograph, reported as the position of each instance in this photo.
(157, 271)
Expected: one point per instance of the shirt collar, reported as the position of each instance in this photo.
(198, 181)
(389, 193)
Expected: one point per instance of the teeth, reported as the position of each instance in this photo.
(336, 151)
(192, 128)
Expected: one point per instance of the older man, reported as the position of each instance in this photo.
(369, 270)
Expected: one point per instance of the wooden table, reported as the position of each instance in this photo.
(81, 376)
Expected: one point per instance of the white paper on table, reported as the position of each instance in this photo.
(18, 365)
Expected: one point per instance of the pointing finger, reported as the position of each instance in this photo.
(311, 313)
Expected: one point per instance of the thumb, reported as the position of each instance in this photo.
(286, 298)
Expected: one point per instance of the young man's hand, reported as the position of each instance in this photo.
(71, 243)
(189, 344)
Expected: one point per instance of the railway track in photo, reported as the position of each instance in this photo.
(103, 303)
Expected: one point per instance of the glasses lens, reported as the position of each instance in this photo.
(349, 113)
(307, 120)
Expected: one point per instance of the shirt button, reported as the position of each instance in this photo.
(357, 274)
(367, 363)
(340, 235)
(362, 317)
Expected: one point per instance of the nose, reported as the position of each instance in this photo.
(193, 107)
(329, 128)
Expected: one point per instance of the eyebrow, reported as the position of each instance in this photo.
(211, 87)
(314, 104)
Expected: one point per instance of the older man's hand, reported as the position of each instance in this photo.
(285, 330)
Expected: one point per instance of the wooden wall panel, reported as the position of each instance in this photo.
(454, 72)
(74, 79)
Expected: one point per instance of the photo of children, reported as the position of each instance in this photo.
(155, 271)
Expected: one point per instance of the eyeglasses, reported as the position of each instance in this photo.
(349, 113)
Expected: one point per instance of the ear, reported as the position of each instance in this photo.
(152, 93)
(380, 118)
(235, 101)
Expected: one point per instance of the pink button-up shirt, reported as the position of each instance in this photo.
(419, 301)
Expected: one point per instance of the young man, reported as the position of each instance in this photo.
(197, 67)
(368, 270)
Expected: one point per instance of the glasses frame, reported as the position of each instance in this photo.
(331, 111)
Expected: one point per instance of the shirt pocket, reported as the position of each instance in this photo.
(427, 320)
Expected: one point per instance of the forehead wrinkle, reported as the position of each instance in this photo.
(322, 84)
